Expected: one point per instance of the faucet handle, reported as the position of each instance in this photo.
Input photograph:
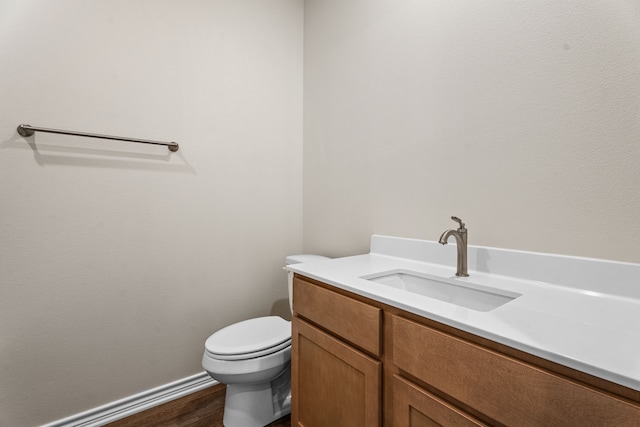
(458, 220)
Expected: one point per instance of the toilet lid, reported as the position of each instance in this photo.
(250, 336)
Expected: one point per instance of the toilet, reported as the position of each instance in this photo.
(253, 358)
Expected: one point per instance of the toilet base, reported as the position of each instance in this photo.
(257, 405)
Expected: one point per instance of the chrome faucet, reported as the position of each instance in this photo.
(461, 241)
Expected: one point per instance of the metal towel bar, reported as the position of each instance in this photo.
(28, 130)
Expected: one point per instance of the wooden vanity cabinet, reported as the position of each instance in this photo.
(357, 362)
(334, 381)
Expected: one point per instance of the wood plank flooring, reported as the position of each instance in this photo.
(201, 409)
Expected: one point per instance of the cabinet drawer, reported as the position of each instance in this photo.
(355, 321)
(504, 389)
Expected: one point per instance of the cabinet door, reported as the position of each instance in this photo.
(415, 407)
(333, 384)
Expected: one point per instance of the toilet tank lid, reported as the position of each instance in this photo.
(302, 258)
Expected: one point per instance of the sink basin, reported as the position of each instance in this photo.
(451, 290)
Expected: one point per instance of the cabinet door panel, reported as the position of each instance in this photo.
(333, 384)
(415, 407)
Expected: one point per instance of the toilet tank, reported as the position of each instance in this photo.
(298, 259)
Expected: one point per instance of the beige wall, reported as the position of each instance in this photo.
(118, 260)
(521, 117)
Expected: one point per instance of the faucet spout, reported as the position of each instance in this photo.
(461, 245)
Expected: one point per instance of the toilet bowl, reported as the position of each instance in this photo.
(253, 357)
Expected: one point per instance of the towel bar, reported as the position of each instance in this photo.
(28, 130)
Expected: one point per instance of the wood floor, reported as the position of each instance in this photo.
(201, 409)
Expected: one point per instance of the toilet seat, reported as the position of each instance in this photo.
(249, 339)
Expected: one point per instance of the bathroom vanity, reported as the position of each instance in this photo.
(545, 346)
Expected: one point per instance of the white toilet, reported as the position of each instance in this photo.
(253, 358)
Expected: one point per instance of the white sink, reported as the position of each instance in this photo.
(451, 290)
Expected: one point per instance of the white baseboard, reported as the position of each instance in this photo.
(137, 403)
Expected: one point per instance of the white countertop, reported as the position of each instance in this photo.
(578, 312)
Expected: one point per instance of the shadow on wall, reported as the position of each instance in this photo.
(281, 308)
(80, 153)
